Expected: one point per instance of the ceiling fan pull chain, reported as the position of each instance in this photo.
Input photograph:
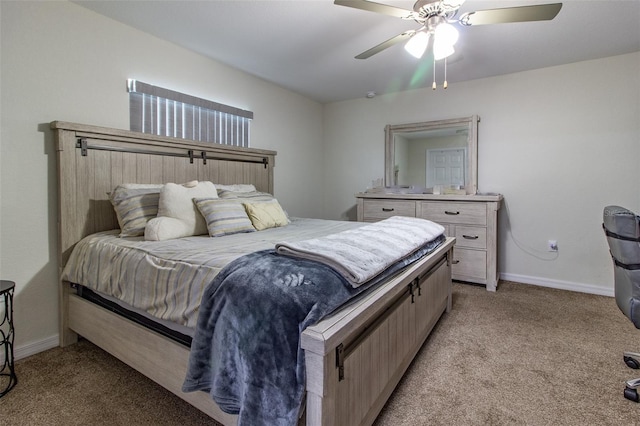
(445, 73)
(433, 86)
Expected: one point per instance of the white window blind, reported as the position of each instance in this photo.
(164, 112)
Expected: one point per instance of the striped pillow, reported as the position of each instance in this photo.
(224, 216)
(237, 187)
(135, 205)
(249, 196)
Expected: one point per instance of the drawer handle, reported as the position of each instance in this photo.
(470, 237)
(451, 213)
(384, 209)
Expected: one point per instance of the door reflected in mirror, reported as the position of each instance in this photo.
(435, 154)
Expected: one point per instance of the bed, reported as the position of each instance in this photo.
(354, 357)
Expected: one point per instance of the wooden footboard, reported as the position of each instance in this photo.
(355, 358)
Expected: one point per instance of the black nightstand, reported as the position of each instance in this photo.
(8, 378)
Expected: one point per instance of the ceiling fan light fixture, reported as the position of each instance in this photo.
(442, 50)
(417, 44)
(446, 33)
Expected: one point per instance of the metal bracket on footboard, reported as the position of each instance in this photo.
(340, 361)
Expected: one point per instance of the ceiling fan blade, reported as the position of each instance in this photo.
(376, 7)
(379, 48)
(542, 12)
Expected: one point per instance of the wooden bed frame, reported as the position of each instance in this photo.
(354, 358)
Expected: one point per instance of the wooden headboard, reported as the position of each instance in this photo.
(94, 160)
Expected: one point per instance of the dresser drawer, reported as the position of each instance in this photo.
(463, 213)
(382, 209)
(470, 236)
(469, 265)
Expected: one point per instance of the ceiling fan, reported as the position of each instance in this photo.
(436, 17)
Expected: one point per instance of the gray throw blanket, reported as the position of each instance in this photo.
(362, 253)
(246, 350)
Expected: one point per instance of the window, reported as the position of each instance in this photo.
(164, 112)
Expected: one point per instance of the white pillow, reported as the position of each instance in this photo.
(176, 203)
(166, 228)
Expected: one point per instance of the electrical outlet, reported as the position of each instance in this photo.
(552, 245)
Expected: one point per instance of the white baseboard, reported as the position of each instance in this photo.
(559, 284)
(33, 348)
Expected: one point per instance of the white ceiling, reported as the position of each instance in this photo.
(308, 46)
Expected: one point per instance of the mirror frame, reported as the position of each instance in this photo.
(472, 145)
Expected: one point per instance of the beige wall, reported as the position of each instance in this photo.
(560, 143)
(63, 62)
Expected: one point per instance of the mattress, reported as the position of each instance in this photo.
(166, 279)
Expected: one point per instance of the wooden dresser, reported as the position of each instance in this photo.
(472, 219)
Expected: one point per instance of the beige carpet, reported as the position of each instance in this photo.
(523, 355)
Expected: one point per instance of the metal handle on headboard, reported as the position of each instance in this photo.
(84, 146)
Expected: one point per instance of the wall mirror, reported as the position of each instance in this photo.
(433, 154)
